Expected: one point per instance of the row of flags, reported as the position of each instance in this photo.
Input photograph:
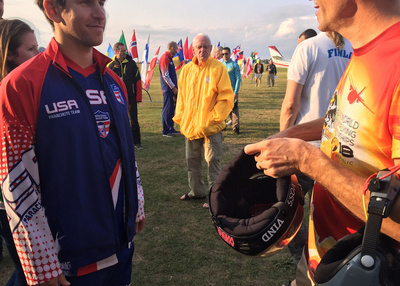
(184, 54)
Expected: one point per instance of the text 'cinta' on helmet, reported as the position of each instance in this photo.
(255, 214)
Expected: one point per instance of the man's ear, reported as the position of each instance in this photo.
(52, 11)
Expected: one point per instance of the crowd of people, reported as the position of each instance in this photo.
(74, 224)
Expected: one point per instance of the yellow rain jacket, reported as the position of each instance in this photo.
(205, 98)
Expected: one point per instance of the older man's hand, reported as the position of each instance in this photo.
(279, 157)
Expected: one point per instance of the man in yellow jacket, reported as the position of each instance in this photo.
(204, 102)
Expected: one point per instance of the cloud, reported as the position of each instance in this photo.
(287, 27)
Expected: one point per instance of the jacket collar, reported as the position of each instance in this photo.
(57, 56)
(196, 61)
(114, 58)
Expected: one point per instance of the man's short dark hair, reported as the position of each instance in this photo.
(59, 3)
(227, 49)
(117, 45)
(309, 33)
(171, 44)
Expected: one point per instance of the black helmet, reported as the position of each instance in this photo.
(253, 213)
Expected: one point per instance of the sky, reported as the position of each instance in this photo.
(253, 24)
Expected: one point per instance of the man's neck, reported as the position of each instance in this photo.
(80, 54)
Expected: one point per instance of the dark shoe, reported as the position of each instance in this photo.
(169, 135)
(236, 130)
(138, 146)
(186, 197)
(175, 132)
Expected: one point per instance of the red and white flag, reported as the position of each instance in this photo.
(150, 71)
(133, 52)
(249, 67)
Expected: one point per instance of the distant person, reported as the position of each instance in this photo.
(17, 44)
(204, 102)
(258, 71)
(271, 69)
(235, 77)
(74, 165)
(309, 33)
(169, 88)
(125, 67)
(314, 72)
(218, 54)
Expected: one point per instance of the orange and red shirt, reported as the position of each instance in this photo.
(361, 132)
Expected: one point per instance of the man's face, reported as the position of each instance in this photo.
(226, 55)
(173, 50)
(218, 54)
(332, 15)
(120, 54)
(83, 22)
(202, 48)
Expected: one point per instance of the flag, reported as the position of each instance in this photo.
(133, 47)
(235, 53)
(186, 49)
(242, 67)
(240, 56)
(213, 52)
(150, 71)
(145, 59)
(122, 40)
(190, 52)
(218, 44)
(249, 67)
(110, 52)
(180, 55)
(241, 62)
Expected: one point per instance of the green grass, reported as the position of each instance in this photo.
(179, 245)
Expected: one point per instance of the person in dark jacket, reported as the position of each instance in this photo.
(271, 68)
(127, 70)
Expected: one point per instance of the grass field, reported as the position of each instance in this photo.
(179, 245)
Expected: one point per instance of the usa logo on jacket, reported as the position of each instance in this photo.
(103, 123)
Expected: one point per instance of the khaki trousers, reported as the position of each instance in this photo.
(210, 149)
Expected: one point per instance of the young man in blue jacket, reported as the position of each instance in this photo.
(236, 78)
(71, 187)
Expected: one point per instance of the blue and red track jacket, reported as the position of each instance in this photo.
(168, 77)
(56, 191)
